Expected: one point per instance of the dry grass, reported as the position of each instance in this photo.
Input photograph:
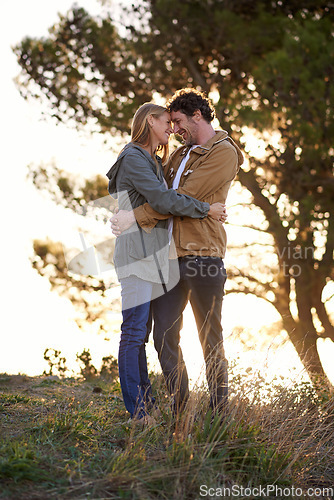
(61, 439)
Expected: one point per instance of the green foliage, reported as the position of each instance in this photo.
(109, 368)
(19, 462)
(91, 72)
(70, 192)
(58, 367)
(70, 424)
(81, 444)
(14, 398)
(84, 68)
(49, 261)
(55, 362)
(88, 370)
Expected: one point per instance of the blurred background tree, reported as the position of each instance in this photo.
(268, 66)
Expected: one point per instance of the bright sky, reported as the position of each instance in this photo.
(30, 311)
(33, 317)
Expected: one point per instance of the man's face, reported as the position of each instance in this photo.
(185, 126)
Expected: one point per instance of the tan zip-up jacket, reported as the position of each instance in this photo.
(207, 176)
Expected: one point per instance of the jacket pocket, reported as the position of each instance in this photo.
(141, 247)
(194, 235)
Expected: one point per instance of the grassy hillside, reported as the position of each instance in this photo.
(66, 438)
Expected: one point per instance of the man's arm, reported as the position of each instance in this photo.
(124, 219)
(162, 199)
(203, 182)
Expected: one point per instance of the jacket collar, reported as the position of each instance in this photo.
(219, 136)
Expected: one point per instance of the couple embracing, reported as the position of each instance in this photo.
(170, 246)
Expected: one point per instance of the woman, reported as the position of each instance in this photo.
(140, 258)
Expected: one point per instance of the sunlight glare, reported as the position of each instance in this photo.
(256, 143)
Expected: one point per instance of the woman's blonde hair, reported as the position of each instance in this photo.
(140, 130)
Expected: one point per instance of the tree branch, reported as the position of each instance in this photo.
(248, 227)
(247, 290)
(266, 286)
(248, 179)
(246, 245)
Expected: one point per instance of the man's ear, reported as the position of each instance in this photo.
(197, 115)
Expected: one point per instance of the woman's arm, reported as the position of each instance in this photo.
(124, 219)
(165, 201)
(161, 201)
(218, 169)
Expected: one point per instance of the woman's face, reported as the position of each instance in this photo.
(161, 128)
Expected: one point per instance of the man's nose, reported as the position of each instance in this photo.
(175, 128)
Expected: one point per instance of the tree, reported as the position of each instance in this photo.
(294, 184)
(75, 276)
(268, 66)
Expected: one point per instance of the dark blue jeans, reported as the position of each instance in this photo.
(202, 281)
(135, 330)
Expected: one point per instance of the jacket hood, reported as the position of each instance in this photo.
(239, 153)
(112, 173)
(222, 135)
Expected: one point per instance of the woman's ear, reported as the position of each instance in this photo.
(150, 120)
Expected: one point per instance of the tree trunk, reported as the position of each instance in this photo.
(301, 331)
(328, 328)
(305, 343)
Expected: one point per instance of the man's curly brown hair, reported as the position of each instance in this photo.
(189, 100)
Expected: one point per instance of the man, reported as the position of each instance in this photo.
(203, 168)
